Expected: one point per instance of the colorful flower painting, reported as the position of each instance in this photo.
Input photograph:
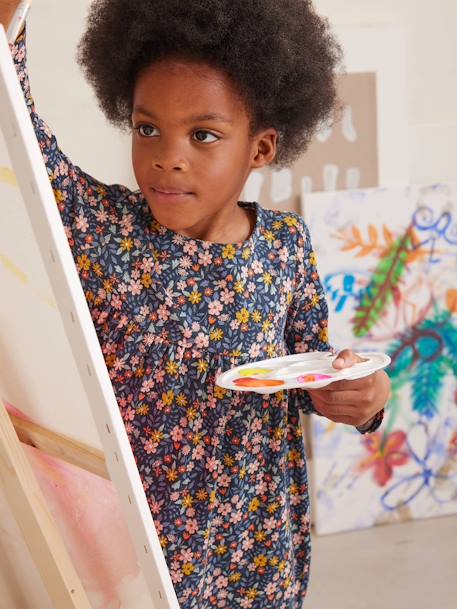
(388, 261)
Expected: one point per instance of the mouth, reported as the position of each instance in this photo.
(170, 192)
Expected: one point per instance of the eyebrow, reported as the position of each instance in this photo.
(196, 118)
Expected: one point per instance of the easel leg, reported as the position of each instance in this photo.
(36, 523)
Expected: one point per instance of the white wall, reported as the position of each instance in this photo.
(67, 103)
(432, 78)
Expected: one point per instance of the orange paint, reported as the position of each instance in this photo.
(250, 382)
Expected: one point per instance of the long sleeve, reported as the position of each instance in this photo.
(307, 322)
(80, 198)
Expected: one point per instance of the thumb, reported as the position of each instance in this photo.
(346, 358)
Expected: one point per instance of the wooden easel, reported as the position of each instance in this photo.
(29, 506)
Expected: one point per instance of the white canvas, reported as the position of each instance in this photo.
(52, 367)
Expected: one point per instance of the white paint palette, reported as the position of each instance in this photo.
(303, 370)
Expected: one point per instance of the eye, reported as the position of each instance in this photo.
(147, 131)
(205, 137)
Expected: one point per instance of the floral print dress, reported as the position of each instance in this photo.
(224, 472)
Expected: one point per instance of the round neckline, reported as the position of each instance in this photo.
(164, 231)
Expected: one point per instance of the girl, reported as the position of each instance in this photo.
(183, 280)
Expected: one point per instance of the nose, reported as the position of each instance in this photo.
(169, 158)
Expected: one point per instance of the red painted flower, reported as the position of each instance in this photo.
(385, 453)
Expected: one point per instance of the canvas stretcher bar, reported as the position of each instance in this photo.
(50, 236)
(36, 523)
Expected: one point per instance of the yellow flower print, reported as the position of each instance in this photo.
(291, 221)
(277, 224)
(195, 297)
(266, 325)
(197, 439)
(246, 253)
(273, 507)
(315, 300)
(219, 392)
(59, 196)
(216, 334)
(202, 366)
(239, 287)
(143, 410)
(229, 461)
(254, 505)
(294, 489)
(260, 536)
(168, 397)
(313, 259)
(84, 263)
(243, 472)
(243, 316)
(260, 560)
(252, 593)
(267, 278)
(323, 335)
(202, 494)
(269, 236)
(271, 350)
(187, 502)
(98, 270)
(157, 436)
(256, 317)
(229, 252)
(274, 561)
(235, 577)
(126, 244)
(172, 475)
(146, 280)
(191, 413)
(188, 568)
(221, 550)
(172, 367)
(181, 400)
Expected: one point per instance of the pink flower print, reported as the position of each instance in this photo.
(129, 414)
(177, 434)
(190, 248)
(163, 313)
(385, 453)
(202, 340)
(150, 447)
(192, 526)
(237, 517)
(135, 287)
(309, 290)
(254, 350)
(205, 258)
(185, 262)
(257, 266)
(221, 582)
(227, 296)
(81, 223)
(271, 588)
(147, 386)
(215, 307)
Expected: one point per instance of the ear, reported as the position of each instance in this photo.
(264, 148)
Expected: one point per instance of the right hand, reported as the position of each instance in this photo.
(7, 10)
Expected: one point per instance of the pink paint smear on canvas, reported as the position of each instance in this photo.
(88, 514)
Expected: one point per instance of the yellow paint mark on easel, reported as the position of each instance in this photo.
(12, 268)
(7, 176)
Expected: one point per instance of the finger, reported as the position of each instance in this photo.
(346, 358)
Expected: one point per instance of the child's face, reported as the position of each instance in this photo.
(192, 149)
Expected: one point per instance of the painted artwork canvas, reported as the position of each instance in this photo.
(388, 262)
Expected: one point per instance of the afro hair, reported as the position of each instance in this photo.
(280, 55)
